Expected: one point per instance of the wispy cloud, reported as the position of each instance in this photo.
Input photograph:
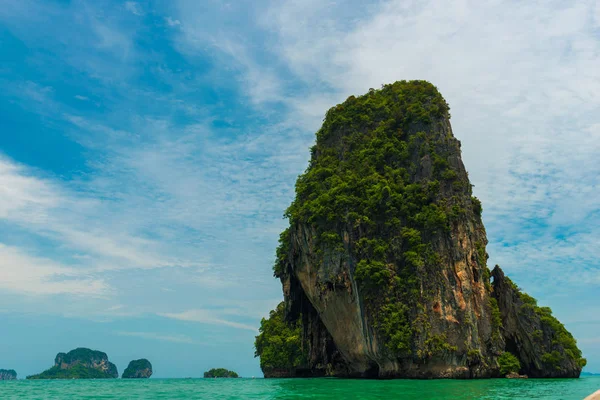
(26, 274)
(174, 338)
(207, 317)
(49, 209)
(23, 196)
(172, 22)
(101, 46)
(34, 91)
(134, 8)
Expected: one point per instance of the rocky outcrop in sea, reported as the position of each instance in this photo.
(8, 375)
(136, 369)
(81, 363)
(384, 263)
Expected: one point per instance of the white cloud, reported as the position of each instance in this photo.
(133, 8)
(24, 197)
(24, 274)
(232, 49)
(40, 94)
(80, 97)
(79, 222)
(113, 40)
(107, 225)
(172, 22)
(207, 317)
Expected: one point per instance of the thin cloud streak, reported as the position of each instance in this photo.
(206, 317)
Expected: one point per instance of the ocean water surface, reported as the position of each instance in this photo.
(323, 388)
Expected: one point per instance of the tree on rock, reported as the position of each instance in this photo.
(220, 373)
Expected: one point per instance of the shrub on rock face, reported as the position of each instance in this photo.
(279, 344)
(509, 363)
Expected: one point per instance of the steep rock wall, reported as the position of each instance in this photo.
(384, 261)
(449, 311)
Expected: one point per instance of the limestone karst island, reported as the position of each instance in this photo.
(80, 363)
(384, 264)
(220, 373)
(138, 369)
(83, 363)
(8, 375)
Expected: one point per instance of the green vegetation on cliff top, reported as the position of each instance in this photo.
(220, 373)
(80, 354)
(279, 343)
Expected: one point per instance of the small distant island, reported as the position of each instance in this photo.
(8, 375)
(137, 369)
(220, 373)
(81, 363)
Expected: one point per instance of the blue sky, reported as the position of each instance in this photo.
(149, 149)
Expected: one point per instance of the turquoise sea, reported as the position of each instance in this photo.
(324, 388)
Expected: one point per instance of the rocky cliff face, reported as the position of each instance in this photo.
(138, 369)
(384, 262)
(542, 344)
(8, 375)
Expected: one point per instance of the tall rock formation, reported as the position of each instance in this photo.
(383, 265)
